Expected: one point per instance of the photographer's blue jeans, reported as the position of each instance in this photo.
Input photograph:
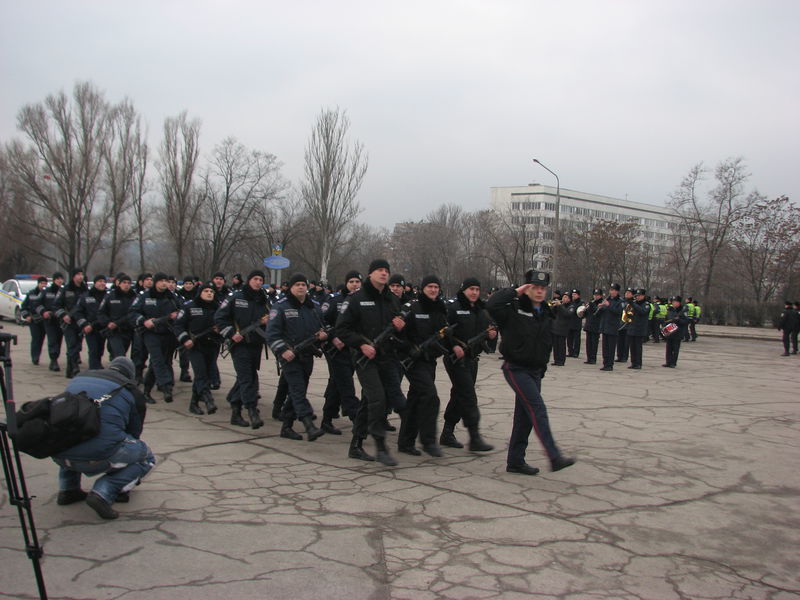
(124, 469)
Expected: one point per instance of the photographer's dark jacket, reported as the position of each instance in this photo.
(291, 322)
(241, 309)
(526, 333)
(197, 317)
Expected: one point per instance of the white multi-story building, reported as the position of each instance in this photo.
(535, 205)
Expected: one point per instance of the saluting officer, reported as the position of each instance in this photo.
(340, 392)
(364, 315)
(114, 315)
(468, 312)
(29, 310)
(525, 322)
(198, 336)
(246, 309)
(293, 320)
(159, 338)
(65, 304)
(88, 320)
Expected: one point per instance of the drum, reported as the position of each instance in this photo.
(668, 329)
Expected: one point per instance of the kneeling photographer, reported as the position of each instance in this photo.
(116, 452)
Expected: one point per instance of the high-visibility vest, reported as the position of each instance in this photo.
(662, 311)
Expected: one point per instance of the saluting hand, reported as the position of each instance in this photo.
(523, 288)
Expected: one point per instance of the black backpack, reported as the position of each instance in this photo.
(52, 425)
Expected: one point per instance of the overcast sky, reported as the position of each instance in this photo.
(449, 98)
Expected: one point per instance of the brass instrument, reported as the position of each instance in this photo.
(627, 316)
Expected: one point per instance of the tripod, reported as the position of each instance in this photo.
(12, 466)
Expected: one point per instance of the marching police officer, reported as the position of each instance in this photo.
(197, 335)
(468, 313)
(340, 391)
(610, 313)
(114, 316)
(29, 311)
(87, 318)
(295, 327)
(364, 316)
(241, 319)
(139, 355)
(525, 322)
(65, 304)
(158, 335)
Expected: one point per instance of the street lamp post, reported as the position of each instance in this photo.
(557, 228)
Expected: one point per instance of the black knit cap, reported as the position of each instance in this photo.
(428, 279)
(218, 274)
(41, 278)
(396, 279)
(297, 278)
(352, 275)
(75, 271)
(99, 276)
(188, 278)
(379, 263)
(58, 275)
(206, 286)
(160, 276)
(255, 273)
(470, 282)
(123, 277)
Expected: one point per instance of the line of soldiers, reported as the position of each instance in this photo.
(366, 330)
(620, 325)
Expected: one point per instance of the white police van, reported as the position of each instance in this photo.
(12, 294)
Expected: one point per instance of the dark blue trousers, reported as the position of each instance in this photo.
(37, 340)
(380, 389)
(160, 346)
(118, 343)
(246, 361)
(341, 391)
(96, 344)
(463, 402)
(530, 413)
(203, 358)
(296, 374)
(54, 338)
(422, 406)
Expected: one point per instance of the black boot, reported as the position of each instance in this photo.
(185, 376)
(236, 417)
(476, 443)
(276, 410)
(194, 407)
(312, 430)
(383, 455)
(71, 369)
(167, 391)
(255, 417)
(328, 427)
(357, 451)
(289, 433)
(54, 365)
(448, 438)
(209, 400)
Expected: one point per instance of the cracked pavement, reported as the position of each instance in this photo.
(687, 486)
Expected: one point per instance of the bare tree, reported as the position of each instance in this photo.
(334, 171)
(178, 159)
(237, 183)
(715, 219)
(58, 171)
(124, 169)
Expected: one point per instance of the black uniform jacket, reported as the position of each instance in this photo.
(291, 322)
(472, 319)
(565, 314)
(640, 326)
(679, 316)
(32, 302)
(240, 310)
(197, 316)
(67, 299)
(789, 321)
(331, 308)
(425, 318)
(592, 318)
(526, 334)
(87, 310)
(116, 308)
(364, 314)
(49, 299)
(152, 305)
(610, 316)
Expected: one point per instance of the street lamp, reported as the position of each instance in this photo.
(557, 228)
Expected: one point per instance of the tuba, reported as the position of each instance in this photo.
(627, 316)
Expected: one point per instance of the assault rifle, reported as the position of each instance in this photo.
(255, 326)
(302, 347)
(432, 343)
(328, 347)
(106, 332)
(196, 336)
(34, 319)
(157, 321)
(384, 336)
(472, 343)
